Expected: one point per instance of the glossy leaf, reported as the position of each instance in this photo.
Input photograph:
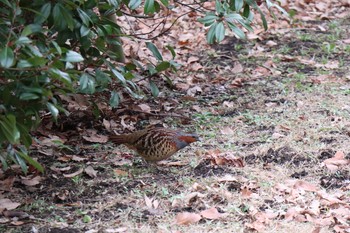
(164, 65)
(53, 110)
(114, 101)
(238, 5)
(171, 49)
(119, 76)
(209, 19)
(133, 4)
(165, 2)
(87, 84)
(149, 7)
(43, 14)
(9, 129)
(154, 50)
(85, 18)
(236, 30)
(220, 32)
(6, 57)
(72, 56)
(211, 34)
(154, 88)
(31, 161)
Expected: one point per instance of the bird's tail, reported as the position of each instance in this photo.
(119, 139)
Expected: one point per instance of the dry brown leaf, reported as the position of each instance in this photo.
(91, 171)
(237, 68)
(227, 131)
(246, 193)
(8, 204)
(256, 225)
(96, 138)
(334, 163)
(300, 184)
(192, 197)
(119, 172)
(7, 184)
(195, 66)
(106, 124)
(78, 159)
(74, 173)
(187, 218)
(192, 59)
(31, 182)
(211, 213)
(15, 213)
(144, 107)
(148, 202)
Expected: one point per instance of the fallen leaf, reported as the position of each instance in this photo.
(192, 59)
(227, 131)
(78, 159)
(96, 138)
(119, 172)
(187, 218)
(144, 107)
(31, 182)
(74, 173)
(7, 184)
(211, 213)
(8, 204)
(246, 193)
(300, 184)
(336, 161)
(91, 171)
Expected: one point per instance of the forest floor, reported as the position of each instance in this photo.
(274, 122)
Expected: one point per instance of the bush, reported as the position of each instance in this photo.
(52, 48)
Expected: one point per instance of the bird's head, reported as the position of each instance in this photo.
(189, 137)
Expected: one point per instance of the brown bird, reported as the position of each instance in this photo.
(155, 144)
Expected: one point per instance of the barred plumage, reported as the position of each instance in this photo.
(155, 144)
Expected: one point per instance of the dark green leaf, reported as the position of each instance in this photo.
(164, 65)
(154, 50)
(218, 7)
(52, 108)
(57, 47)
(114, 100)
(31, 161)
(238, 5)
(130, 66)
(208, 20)
(149, 7)
(44, 13)
(23, 40)
(154, 88)
(171, 49)
(6, 57)
(72, 56)
(133, 4)
(220, 32)
(37, 61)
(119, 76)
(21, 162)
(9, 129)
(60, 75)
(85, 18)
(31, 28)
(211, 33)
(236, 30)
(87, 84)
(165, 2)
(29, 96)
